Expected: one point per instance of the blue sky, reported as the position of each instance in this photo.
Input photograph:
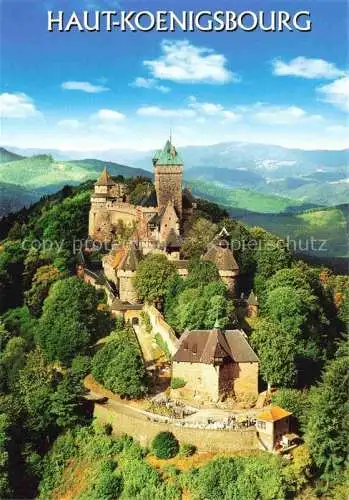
(97, 91)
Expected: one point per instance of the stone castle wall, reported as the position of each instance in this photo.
(168, 185)
(160, 326)
(201, 380)
(247, 381)
(144, 431)
(103, 216)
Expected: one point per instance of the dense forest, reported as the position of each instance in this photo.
(51, 320)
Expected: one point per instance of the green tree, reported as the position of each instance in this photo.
(4, 480)
(19, 322)
(67, 401)
(200, 308)
(295, 401)
(63, 335)
(198, 238)
(65, 221)
(237, 478)
(6, 283)
(52, 401)
(344, 309)
(125, 374)
(176, 285)
(271, 255)
(42, 280)
(299, 471)
(12, 361)
(201, 273)
(165, 445)
(241, 243)
(292, 308)
(32, 262)
(81, 366)
(15, 233)
(119, 366)
(152, 278)
(294, 277)
(36, 384)
(12, 257)
(276, 351)
(327, 429)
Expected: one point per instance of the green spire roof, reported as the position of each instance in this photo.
(167, 156)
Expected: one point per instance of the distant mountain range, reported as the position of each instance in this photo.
(317, 177)
(23, 180)
(253, 189)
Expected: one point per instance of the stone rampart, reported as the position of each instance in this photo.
(143, 430)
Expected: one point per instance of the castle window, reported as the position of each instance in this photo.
(194, 349)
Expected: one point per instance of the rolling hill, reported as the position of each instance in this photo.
(7, 156)
(246, 198)
(306, 230)
(44, 173)
(304, 226)
(244, 192)
(317, 177)
(13, 197)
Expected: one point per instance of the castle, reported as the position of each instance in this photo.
(156, 224)
(213, 363)
(158, 217)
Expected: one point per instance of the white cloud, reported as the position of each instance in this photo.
(212, 109)
(149, 83)
(109, 115)
(69, 124)
(206, 108)
(17, 106)
(156, 111)
(183, 62)
(304, 67)
(231, 115)
(336, 93)
(88, 87)
(278, 115)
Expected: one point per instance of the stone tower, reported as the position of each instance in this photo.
(125, 274)
(168, 177)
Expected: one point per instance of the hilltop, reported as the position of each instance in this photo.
(43, 172)
(327, 223)
(6, 156)
(23, 180)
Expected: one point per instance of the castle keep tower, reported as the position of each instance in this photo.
(168, 177)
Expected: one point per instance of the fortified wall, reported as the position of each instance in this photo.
(144, 431)
(160, 326)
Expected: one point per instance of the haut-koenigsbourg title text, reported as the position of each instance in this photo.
(186, 21)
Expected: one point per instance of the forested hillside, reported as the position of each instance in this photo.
(51, 321)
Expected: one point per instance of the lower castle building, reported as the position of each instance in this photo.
(215, 364)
